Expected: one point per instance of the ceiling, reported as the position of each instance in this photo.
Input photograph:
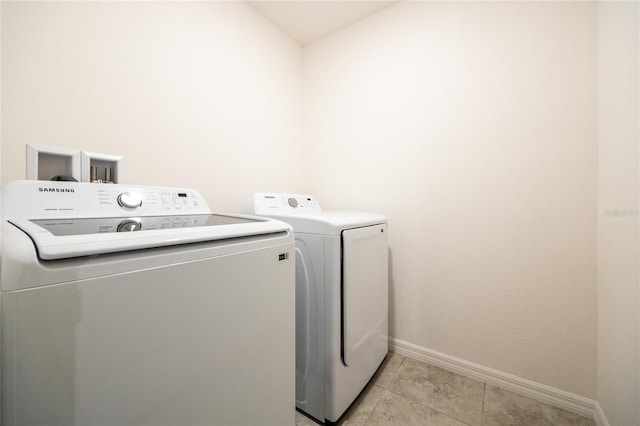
(309, 20)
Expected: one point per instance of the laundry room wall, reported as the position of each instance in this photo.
(618, 214)
(473, 127)
(196, 94)
(0, 102)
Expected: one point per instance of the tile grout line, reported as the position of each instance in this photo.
(427, 406)
(386, 388)
(366, 420)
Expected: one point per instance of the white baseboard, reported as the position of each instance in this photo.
(543, 393)
(600, 418)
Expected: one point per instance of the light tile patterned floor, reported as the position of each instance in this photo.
(407, 392)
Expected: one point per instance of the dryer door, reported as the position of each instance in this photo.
(364, 293)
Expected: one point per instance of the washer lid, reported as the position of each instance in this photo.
(105, 225)
(66, 238)
(72, 219)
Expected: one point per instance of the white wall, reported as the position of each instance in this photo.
(618, 215)
(472, 126)
(196, 94)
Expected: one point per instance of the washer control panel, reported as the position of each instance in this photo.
(44, 199)
(265, 203)
(150, 200)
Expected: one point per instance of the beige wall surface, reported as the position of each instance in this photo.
(618, 214)
(195, 94)
(472, 126)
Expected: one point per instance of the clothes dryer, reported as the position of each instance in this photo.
(341, 299)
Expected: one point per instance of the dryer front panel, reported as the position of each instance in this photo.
(364, 293)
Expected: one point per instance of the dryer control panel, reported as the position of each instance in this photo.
(266, 203)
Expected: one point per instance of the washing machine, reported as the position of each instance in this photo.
(341, 299)
(130, 305)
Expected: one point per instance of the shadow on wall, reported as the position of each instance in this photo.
(392, 331)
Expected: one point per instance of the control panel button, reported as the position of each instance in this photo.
(130, 200)
(292, 202)
(129, 226)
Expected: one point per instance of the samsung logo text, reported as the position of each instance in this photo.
(56, 190)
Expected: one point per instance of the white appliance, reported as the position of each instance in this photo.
(128, 305)
(341, 299)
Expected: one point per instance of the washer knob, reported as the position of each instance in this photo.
(129, 226)
(130, 200)
(292, 202)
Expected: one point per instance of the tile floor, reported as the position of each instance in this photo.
(407, 392)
